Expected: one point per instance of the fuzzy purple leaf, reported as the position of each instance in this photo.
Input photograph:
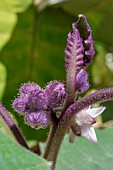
(74, 51)
(78, 53)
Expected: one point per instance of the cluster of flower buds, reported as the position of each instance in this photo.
(34, 102)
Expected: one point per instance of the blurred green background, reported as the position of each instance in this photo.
(33, 37)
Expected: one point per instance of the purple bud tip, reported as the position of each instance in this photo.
(28, 87)
(55, 92)
(19, 104)
(37, 119)
(82, 81)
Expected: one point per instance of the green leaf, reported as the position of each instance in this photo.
(15, 157)
(15, 6)
(8, 17)
(85, 155)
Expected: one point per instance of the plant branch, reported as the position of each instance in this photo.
(99, 96)
(12, 126)
(64, 121)
(49, 141)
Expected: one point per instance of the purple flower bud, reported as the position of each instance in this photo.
(19, 104)
(55, 92)
(31, 99)
(82, 81)
(37, 119)
(37, 101)
(28, 87)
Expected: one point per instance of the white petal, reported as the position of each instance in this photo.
(94, 112)
(84, 119)
(89, 133)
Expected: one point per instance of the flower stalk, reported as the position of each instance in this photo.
(12, 126)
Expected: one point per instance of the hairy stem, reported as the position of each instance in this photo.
(99, 96)
(65, 120)
(54, 121)
(49, 141)
(12, 126)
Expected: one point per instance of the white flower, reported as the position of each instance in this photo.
(84, 121)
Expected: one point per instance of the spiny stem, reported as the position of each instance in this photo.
(64, 121)
(12, 126)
